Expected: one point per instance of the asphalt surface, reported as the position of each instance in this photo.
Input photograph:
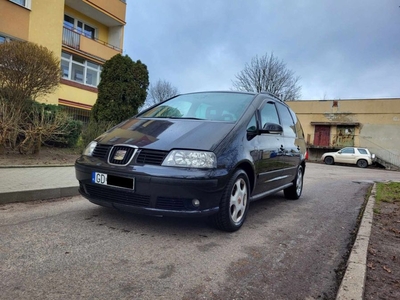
(38, 183)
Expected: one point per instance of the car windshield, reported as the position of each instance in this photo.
(202, 106)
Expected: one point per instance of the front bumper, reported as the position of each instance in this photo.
(162, 191)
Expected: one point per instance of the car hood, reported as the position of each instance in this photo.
(167, 134)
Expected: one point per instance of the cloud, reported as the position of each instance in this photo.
(340, 49)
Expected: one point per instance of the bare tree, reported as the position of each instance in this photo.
(161, 91)
(268, 73)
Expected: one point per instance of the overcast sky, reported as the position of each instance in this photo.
(341, 49)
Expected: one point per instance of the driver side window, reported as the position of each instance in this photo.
(348, 150)
(269, 114)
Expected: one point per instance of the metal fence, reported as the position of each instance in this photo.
(78, 114)
(72, 39)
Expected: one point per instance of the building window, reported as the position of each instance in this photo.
(80, 70)
(24, 3)
(69, 22)
(85, 30)
(80, 27)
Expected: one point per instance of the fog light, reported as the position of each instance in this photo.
(196, 202)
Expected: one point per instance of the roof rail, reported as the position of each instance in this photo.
(272, 95)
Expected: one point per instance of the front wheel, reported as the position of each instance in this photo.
(294, 192)
(362, 163)
(234, 203)
(329, 160)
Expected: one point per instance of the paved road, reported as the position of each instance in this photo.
(72, 249)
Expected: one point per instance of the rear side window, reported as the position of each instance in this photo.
(362, 151)
(287, 122)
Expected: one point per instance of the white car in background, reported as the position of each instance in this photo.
(350, 155)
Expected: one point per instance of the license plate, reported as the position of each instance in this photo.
(112, 180)
(99, 178)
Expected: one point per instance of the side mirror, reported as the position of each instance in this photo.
(252, 132)
(272, 128)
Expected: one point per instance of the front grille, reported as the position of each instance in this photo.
(118, 195)
(172, 203)
(146, 156)
(151, 157)
(101, 151)
(121, 155)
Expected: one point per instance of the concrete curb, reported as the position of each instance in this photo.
(33, 166)
(42, 194)
(353, 284)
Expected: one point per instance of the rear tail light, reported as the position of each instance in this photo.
(306, 156)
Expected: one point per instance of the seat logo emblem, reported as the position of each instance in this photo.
(119, 155)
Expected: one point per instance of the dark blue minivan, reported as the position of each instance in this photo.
(197, 154)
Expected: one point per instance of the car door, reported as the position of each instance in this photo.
(291, 155)
(346, 156)
(270, 145)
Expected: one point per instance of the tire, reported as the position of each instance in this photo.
(294, 192)
(234, 203)
(329, 160)
(362, 163)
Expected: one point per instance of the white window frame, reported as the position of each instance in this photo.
(85, 66)
(25, 3)
(82, 32)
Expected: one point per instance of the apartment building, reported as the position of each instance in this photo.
(330, 125)
(83, 34)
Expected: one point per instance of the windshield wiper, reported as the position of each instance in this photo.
(186, 118)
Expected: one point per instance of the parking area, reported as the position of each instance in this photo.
(286, 249)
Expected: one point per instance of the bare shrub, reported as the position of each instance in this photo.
(10, 119)
(27, 71)
(40, 126)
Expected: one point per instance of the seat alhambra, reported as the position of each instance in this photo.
(197, 154)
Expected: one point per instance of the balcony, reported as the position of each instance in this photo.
(92, 47)
(108, 12)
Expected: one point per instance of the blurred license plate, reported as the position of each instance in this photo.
(99, 178)
(112, 180)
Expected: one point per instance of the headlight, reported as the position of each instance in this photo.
(190, 159)
(90, 148)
